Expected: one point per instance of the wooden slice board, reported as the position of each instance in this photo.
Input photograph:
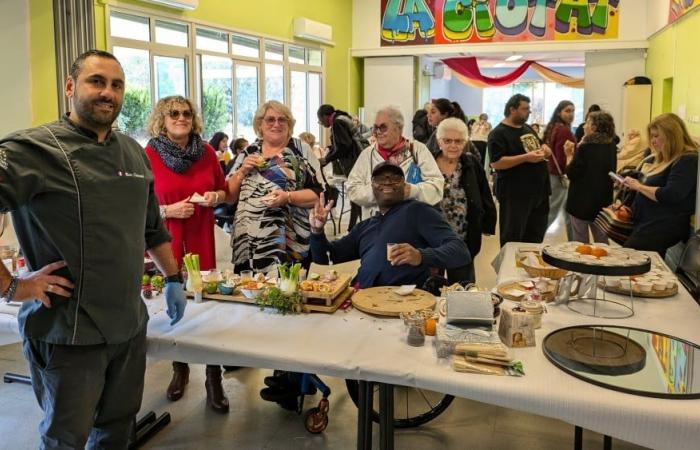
(637, 293)
(383, 301)
(339, 287)
(308, 307)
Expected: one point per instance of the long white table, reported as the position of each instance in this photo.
(358, 346)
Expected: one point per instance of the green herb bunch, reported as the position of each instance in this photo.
(278, 300)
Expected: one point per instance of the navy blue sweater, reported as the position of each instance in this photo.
(409, 222)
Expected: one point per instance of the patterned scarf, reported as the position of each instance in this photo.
(177, 159)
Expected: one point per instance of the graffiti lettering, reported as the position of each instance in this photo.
(586, 23)
(459, 20)
(400, 22)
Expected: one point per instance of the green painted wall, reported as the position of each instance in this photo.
(269, 17)
(673, 54)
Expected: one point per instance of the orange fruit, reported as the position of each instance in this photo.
(599, 252)
(430, 327)
(584, 249)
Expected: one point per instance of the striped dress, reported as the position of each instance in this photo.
(264, 237)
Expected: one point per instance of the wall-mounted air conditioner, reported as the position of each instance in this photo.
(313, 31)
(177, 4)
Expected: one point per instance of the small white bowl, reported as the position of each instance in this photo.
(612, 282)
(659, 285)
(644, 286)
(625, 284)
(251, 293)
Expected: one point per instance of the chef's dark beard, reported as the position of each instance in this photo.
(86, 111)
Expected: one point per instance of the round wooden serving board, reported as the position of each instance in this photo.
(383, 301)
(637, 293)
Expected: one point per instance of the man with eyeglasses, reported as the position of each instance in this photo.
(399, 245)
(346, 145)
(522, 177)
(84, 209)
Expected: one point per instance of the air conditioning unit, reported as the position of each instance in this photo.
(313, 31)
(177, 4)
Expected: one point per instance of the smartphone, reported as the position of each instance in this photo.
(616, 177)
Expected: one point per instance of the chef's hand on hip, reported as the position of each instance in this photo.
(35, 285)
(176, 301)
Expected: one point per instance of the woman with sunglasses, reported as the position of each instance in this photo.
(184, 165)
(412, 156)
(467, 203)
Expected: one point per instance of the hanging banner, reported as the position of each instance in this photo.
(678, 8)
(438, 22)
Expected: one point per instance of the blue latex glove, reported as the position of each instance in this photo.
(176, 300)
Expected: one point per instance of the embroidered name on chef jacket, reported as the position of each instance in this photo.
(130, 174)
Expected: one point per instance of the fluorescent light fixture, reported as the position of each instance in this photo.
(499, 64)
(512, 58)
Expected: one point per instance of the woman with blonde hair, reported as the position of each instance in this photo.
(273, 188)
(184, 165)
(665, 200)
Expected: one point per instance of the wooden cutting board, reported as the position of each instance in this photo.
(383, 301)
(337, 286)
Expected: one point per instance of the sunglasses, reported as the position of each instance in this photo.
(175, 114)
(279, 120)
(377, 129)
(448, 141)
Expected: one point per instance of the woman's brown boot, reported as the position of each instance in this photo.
(181, 376)
(215, 392)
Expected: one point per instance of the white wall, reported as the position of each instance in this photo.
(657, 15)
(366, 26)
(15, 76)
(605, 74)
(390, 81)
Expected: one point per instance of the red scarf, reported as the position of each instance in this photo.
(388, 153)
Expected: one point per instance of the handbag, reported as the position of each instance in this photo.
(563, 179)
(617, 228)
(688, 269)
(413, 174)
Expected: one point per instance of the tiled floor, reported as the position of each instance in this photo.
(256, 424)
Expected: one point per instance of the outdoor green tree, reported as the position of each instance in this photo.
(214, 109)
(135, 111)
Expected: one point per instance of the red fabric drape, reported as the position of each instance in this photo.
(467, 71)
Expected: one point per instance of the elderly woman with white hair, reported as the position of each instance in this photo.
(423, 179)
(273, 187)
(467, 203)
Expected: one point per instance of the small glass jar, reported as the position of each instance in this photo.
(416, 331)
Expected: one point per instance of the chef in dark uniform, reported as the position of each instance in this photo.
(83, 206)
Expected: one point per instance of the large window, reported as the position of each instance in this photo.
(227, 73)
(544, 98)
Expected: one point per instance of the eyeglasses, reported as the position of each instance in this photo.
(387, 180)
(280, 120)
(377, 129)
(458, 142)
(175, 114)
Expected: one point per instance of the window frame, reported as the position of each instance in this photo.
(192, 54)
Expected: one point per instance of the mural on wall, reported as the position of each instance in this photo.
(430, 22)
(677, 8)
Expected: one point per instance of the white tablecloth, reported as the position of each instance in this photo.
(9, 330)
(359, 346)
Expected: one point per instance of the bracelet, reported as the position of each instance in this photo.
(9, 294)
(289, 198)
(216, 200)
(162, 210)
(176, 278)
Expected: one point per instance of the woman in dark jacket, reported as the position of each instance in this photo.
(467, 203)
(665, 200)
(587, 167)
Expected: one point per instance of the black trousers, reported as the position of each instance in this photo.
(523, 218)
(660, 239)
(481, 146)
(88, 393)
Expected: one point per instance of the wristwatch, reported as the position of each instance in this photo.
(9, 294)
(176, 278)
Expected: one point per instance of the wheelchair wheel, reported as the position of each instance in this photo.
(413, 407)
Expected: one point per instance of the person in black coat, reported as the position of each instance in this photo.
(345, 147)
(665, 200)
(587, 167)
(467, 203)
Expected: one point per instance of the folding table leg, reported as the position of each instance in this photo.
(386, 416)
(607, 442)
(147, 427)
(364, 416)
(578, 438)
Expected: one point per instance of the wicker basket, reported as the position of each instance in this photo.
(551, 272)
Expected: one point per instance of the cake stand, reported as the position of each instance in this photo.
(591, 303)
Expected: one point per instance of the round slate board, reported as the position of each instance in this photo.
(382, 301)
